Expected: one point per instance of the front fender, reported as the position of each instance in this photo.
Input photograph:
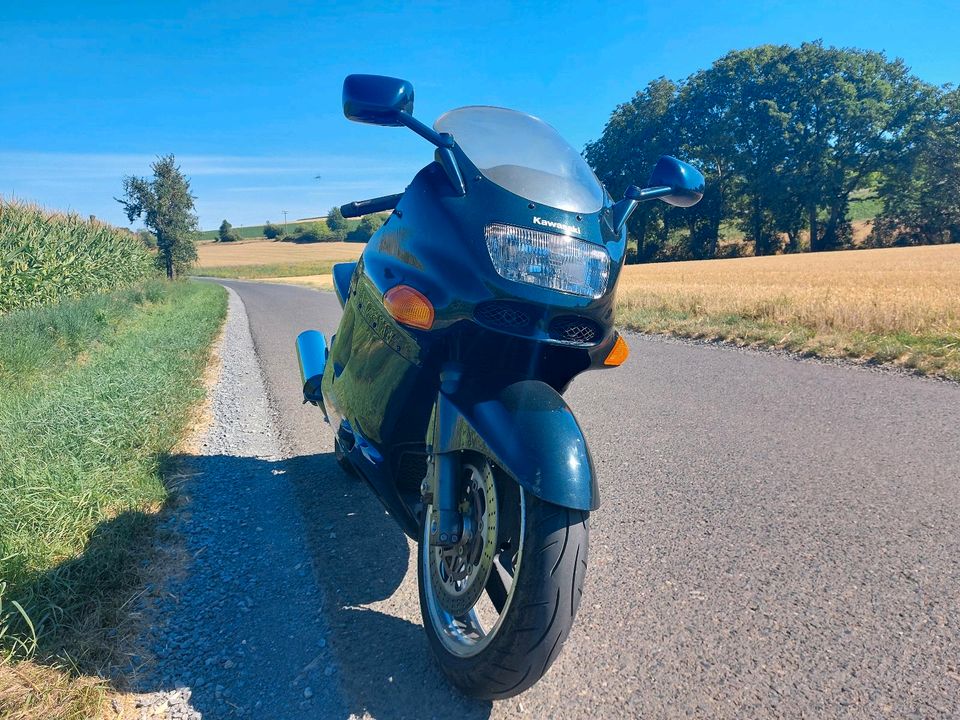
(529, 431)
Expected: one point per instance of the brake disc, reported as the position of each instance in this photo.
(459, 574)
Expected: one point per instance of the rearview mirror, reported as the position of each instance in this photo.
(673, 181)
(377, 99)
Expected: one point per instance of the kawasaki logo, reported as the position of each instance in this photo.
(569, 229)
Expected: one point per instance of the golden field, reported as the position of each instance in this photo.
(266, 252)
(899, 305)
(895, 305)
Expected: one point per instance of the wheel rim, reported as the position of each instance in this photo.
(455, 580)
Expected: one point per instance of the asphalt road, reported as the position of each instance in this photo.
(777, 538)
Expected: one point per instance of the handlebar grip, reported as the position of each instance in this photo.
(373, 205)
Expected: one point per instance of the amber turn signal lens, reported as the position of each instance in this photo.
(618, 354)
(409, 307)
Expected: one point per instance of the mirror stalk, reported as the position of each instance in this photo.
(633, 196)
(621, 212)
(450, 167)
(441, 140)
(650, 193)
(444, 143)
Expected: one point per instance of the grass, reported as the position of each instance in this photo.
(248, 232)
(94, 392)
(897, 305)
(864, 208)
(273, 270)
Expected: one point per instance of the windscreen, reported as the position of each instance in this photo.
(524, 155)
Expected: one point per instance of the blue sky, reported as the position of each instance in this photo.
(247, 95)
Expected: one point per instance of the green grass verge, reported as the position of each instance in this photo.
(937, 355)
(94, 392)
(272, 270)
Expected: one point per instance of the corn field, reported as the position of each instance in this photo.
(46, 256)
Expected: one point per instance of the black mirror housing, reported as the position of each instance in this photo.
(673, 181)
(684, 181)
(377, 99)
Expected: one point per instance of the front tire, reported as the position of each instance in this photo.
(540, 552)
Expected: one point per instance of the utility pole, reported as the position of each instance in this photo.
(284, 221)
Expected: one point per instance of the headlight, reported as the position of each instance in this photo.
(558, 262)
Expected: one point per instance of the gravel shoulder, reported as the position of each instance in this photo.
(239, 631)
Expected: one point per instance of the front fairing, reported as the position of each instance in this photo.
(435, 242)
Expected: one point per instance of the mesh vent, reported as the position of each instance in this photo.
(502, 315)
(411, 470)
(573, 329)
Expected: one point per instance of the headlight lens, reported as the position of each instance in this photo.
(558, 262)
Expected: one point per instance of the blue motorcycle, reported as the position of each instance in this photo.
(486, 291)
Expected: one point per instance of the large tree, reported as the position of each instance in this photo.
(921, 202)
(638, 132)
(784, 136)
(166, 206)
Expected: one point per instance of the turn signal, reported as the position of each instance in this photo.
(409, 307)
(618, 354)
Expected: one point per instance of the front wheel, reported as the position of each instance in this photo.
(498, 606)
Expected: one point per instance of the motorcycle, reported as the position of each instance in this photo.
(488, 289)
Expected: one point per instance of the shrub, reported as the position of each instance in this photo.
(227, 233)
(272, 232)
(336, 221)
(314, 232)
(148, 239)
(365, 229)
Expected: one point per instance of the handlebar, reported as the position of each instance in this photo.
(373, 205)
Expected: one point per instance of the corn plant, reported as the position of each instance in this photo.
(47, 256)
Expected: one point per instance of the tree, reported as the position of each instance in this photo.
(271, 231)
(365, 229)
(638, 132)
(920, 199)
(227, 233)
(853, 110)
(148, 239)
(336, 221)
(166, 206)
(783, 135)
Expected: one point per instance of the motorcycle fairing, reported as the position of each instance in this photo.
(529, 431)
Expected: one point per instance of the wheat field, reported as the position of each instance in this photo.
(267, 252)
(899, 305)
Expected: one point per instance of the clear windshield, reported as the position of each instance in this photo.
(524, 155)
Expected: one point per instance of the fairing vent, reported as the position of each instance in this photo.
(574, 330)
(411, 470)
(505, 315)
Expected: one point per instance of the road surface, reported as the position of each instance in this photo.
(777, 538)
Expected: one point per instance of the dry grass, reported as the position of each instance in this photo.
(30, 691)
(899, 305)
(266, 252)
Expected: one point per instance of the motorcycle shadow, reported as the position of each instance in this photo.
(366, 568)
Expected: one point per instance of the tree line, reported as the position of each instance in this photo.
(786, 136)
(333, 228)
